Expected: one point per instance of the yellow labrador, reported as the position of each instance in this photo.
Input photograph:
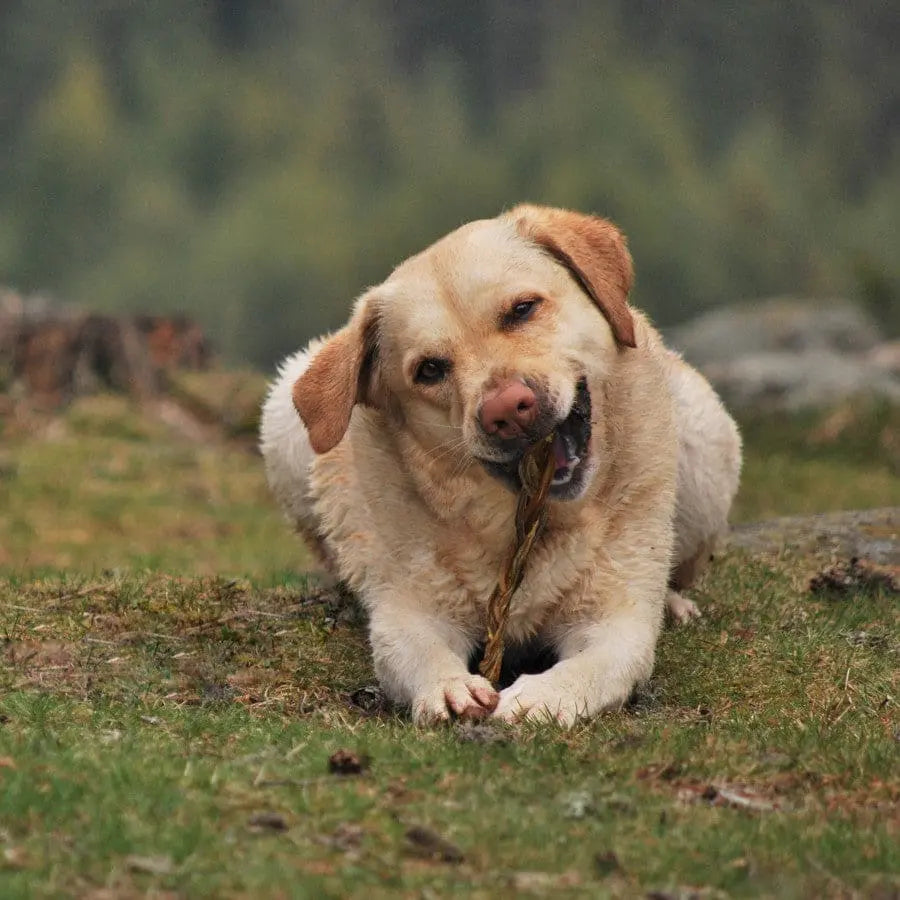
(393, 445)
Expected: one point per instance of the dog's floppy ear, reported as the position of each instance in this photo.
(340, 376)
(593, 250)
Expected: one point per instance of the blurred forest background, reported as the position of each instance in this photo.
(255, 164)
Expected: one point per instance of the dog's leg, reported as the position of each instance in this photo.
(421, 661)
(600, 663)
(680, 608)
(709, 465)
(682, 577)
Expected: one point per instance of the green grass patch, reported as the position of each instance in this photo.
(173, 683)
(106, 488)
(845, 458)
(148, 721)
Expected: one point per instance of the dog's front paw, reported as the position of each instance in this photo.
(534, 697)
(467, 697)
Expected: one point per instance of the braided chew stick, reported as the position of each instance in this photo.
(535, 472)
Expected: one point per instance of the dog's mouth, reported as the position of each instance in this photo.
(571, 449)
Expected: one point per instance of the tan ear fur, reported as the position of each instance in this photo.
(337, 379)
(594, 251)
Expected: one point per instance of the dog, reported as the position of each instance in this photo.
(393, 446)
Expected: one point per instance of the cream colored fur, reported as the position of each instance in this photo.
(403, 512)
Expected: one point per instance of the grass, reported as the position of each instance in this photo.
(152, 717)
(847, 458)
(104, 487)
(173, 675)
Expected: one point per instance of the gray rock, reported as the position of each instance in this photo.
(791, 354)
(886, 357)
(794, 381)
(778, 325)
(872, 534)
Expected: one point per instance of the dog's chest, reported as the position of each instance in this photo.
(554, 570)
(384, 537)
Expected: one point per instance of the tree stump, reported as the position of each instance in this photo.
(52, 354)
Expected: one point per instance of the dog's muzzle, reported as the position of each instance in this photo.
(514, 423)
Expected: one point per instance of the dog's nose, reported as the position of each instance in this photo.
(508, 410)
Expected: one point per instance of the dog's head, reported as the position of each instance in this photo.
(485, 343)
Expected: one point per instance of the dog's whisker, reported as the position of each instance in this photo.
(430, 424)
(441, 450)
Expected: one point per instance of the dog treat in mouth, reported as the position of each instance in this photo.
(537, 471)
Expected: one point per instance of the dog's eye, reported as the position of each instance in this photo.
(431, 371)
(520, 312)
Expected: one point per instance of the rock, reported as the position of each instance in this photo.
(872, 534)
(799, 381)
(791, 354)
(886, 357)
(779, 325)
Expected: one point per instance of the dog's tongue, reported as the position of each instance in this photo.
(560, 454)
